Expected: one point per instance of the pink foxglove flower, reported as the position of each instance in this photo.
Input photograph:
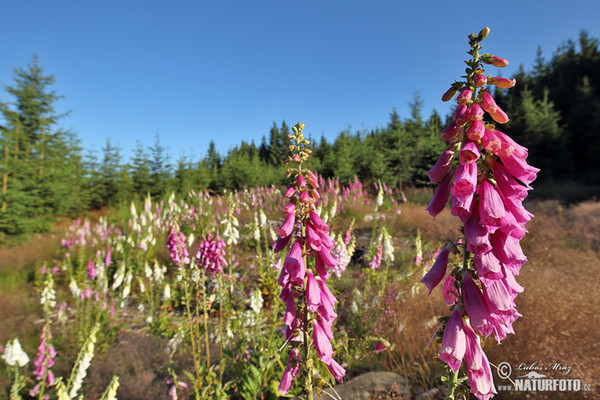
(441, 196)
(437, 272)
(464, 96)
(479, 80)
(503, 83)
(454, 342)
(442, 166)
(492, 179)
(211, 255)
(303, 290)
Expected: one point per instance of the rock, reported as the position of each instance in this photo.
(369, 386)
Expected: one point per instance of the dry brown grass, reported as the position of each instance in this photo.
(559, 304)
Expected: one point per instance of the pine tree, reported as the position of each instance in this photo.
(34, 152)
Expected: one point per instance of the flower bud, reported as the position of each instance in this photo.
(475, 130)
(464, 96)
(449, 94)
(290, 192)
(479, 80)
(301, 181)
(483, 34)
(500, 116)
(474, 112)
(304, 197)
(312, 179)
(502, 83)
(499, 62)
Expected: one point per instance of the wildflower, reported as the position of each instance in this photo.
(311, 237)
(437, 272)
(91, 270)
(448, 291)
(454, 341)
(478, 366)
(465, 96)
(475, 130)
(487, 196)
(450, 132)
(503, 83)
(211, 255)
(499, 62)
(14, 354)
(479, 80)
(440, 196)
(442, 166)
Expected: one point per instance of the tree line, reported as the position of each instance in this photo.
(554, 109)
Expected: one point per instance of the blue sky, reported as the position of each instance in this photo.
(193, 71)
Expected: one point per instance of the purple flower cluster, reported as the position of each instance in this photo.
(302, 290)
(211, 255)
(43, 362)
(487, 187)
(177, 247)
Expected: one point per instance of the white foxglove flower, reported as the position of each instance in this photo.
(256, 301)
(14, 354)
(74, 289)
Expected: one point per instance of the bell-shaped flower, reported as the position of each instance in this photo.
(507, 184)
(507, 248)
(281, 243)
(437, 272)
(490, 142)
(301, 181)
(294, 264)
(477, 236)
(475, 130)
(465, 180)
(499, 62)
(288, 225)
(476, 306)
(449, 291)
(519, 169)
(460, 115)
(313, 292)
(474, 112)
(14, 354)
(321, 342)
(508, 143)
(318, 223)
(450, 132)
(453, 342)
(469, 153)
(478, 366)
(479, 80)
(442, 166)
(290, 192)
(491, 207)
(440, 196)
(462, 207)
(290, 208)
(488, 266)
(335, 369)
(291, 371)
(464, 96)
(312, 238)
